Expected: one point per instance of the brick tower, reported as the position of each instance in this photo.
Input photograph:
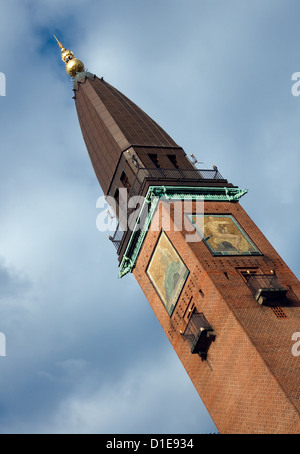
(226, 300)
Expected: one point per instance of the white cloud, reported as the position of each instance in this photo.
(128, 403)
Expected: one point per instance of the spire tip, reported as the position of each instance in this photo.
(58, 42)
(73, 65)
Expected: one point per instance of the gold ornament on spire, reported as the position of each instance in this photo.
(73, 65)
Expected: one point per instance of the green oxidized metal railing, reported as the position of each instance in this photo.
(167, 175)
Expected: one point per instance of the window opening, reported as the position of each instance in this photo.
(154, 159)
(173, 159)
(125, 181)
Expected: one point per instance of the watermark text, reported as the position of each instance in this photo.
(2, 344)
(2, 84)
(133, 214)
(296, 346)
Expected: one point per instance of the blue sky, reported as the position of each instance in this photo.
(85, 353)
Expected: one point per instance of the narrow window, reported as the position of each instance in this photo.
(116, 195)
(189, 309)
(125, 181)
(173, 159)
(154, 159)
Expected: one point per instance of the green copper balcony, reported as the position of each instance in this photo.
(146, 177)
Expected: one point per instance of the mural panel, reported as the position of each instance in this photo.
(224, 236)
(167, 272)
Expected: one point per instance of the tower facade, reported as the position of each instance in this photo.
(226, 300)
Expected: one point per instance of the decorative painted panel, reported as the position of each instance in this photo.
(167, 272)
(223, 235)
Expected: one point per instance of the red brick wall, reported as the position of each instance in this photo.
(250, 380)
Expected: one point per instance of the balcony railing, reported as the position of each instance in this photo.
(199, 334)
(167, 175)
(171, 174)
(266, 289)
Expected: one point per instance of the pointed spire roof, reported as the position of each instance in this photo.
(112, 124)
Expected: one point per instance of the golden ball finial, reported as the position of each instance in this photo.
(73, 65)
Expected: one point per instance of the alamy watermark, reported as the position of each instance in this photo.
(132, 214)
(296, 86)
(2, 344)
(296, 346)
(2, 84)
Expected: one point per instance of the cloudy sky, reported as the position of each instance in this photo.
(84, 351)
